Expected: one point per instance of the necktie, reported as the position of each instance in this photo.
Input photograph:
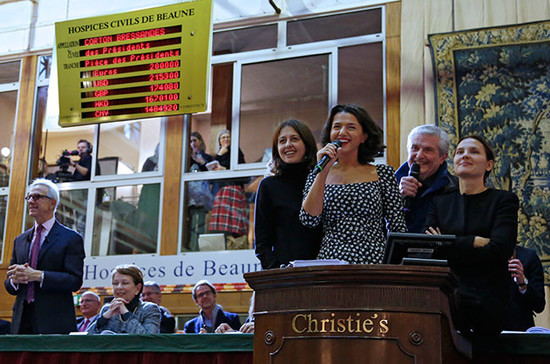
(84, 325)
(33, 261)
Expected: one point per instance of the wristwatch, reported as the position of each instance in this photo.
(525, 282)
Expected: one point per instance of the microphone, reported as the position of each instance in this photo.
(323, 162)
(413, 172)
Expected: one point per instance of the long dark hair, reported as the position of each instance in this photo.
(371, 147)
(489, 153)
(307, 137)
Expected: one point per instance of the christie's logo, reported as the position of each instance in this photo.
(310, 323)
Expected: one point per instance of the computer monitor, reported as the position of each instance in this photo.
(418, 249)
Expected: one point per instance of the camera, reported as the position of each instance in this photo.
(63, 174)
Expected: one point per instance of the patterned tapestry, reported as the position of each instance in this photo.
(495, 82)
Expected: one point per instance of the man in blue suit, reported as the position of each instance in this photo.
(45, 268)
(211, 315)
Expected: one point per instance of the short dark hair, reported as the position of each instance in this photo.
(371, 147)
(88, 144)
(489, 153)
(132, 271)
(307, 137)
(203, 282)
(153, 285)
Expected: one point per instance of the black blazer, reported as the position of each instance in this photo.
(523, 305)
(193, 326)
(61, 257)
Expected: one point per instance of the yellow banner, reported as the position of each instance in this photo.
(147, 63)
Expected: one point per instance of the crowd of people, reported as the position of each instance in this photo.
(331, 202)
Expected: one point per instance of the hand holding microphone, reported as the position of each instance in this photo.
(409, 186)
(326, 158)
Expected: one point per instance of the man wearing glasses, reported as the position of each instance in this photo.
(45, 268)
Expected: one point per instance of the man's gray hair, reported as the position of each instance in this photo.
(53, 191)
(90, 293)
(431, 129)
(153, 285)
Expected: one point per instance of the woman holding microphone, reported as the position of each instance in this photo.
(354, 200)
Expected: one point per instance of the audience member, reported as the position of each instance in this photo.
(46, 267)
(211, 314)
(428, 147)
(484, 221)
(126, 313)
(526, 289)
(90, 303)
(356, 201)
(151, 293)
(279, 235)
(247, 327)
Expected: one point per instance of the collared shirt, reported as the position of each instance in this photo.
(211, 322)
(46, 228)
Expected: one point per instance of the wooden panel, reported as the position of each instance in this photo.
(172, 180)
(393, 81)
(500, 12)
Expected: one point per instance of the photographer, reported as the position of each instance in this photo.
(83, 167)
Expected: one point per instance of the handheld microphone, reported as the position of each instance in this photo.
(413, 172)
(323, 162)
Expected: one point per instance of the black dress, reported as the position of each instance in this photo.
(279, 235)
(482, 272)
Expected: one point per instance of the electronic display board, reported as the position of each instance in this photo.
(146, 63)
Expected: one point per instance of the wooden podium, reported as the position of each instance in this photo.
(356, 314)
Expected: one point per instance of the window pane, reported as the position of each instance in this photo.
(243, 40)
(126, 220)
(8, 102)
(334, 27)
(360, 78)
(70, 212)
(44, 67)
(129, 147)
(275, 91)
(9, 72)
(219, 214)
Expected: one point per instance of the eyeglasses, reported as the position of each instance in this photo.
(36, 197)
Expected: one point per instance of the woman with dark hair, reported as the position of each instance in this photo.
(279, 235)
(199, 157)
(127, 313)
(484, 221)
(355, 201)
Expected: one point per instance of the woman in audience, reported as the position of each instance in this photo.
(229, 212)
(356, 201)
(199, 157)
(279, 235)
(484, 221)
(126, 313)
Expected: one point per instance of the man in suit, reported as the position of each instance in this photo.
(211, 314)
(90, 303)
(45, 268)
(151, 293)
(526, 289)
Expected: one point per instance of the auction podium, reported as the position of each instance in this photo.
(356, 314)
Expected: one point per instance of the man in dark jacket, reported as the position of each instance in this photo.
(211, 315)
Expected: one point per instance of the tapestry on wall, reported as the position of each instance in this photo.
(495, 82)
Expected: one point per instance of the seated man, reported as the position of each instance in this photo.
(211, 314)
(151, 293)
(90, 303)
(526, 289)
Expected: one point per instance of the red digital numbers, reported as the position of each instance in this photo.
(165, 86)
(161, 108)
(157, 98)
(162, 65)
(164, 76)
